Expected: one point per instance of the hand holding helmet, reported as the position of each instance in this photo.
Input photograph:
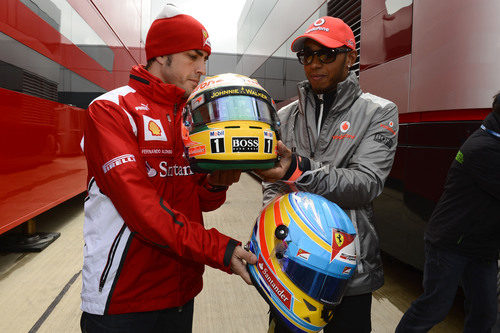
(281, 167)
(239, 260)
(223, 177)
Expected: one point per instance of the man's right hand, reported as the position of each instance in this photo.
(239, 260)
(279, 170)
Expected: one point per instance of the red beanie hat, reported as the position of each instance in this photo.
(174, 32)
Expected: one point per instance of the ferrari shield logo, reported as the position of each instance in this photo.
(339, 239)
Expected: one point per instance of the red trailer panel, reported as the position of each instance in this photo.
(56, 57)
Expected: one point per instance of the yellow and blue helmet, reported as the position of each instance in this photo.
(230, 122)
(306, 254)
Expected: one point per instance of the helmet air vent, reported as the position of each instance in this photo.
(281, 232)
(309, 305)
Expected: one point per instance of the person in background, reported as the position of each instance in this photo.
(145, 243)
(462, 238)
(338, 142)
(496, 327)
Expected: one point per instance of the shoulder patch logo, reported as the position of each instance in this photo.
(383, 140)
(153, 129)
(118, 161)
(389, 128)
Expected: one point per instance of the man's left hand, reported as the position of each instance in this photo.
(239, 260)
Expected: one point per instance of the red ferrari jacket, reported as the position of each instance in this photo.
(145, 244)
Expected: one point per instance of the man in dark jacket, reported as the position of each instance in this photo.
(463, 237)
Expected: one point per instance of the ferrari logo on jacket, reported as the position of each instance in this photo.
(153, 129)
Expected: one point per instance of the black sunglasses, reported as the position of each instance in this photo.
(325, 56)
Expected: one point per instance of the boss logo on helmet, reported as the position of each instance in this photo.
(245, 144)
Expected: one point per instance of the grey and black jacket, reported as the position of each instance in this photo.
(347, 163)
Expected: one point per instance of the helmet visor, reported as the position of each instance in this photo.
(324, 288)
(234, 107)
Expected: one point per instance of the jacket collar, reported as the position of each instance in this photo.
(153, 88)
(347, 92)
(492, 122)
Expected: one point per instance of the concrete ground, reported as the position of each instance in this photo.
(40, 292)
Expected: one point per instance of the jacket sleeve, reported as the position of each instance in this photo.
(110, 137)
(273, 190)
(362, 180)
(210, 198)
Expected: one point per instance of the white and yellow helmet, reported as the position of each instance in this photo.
(230, 122)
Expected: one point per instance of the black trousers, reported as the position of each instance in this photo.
(352, 315)
(172, 320)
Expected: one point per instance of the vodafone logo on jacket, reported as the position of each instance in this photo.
(344, 126)
(153, 129)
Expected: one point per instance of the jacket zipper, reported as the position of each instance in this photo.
(172, 124)
(175, 127)
(111, 256)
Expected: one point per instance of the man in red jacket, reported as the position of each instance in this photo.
(145, 244)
